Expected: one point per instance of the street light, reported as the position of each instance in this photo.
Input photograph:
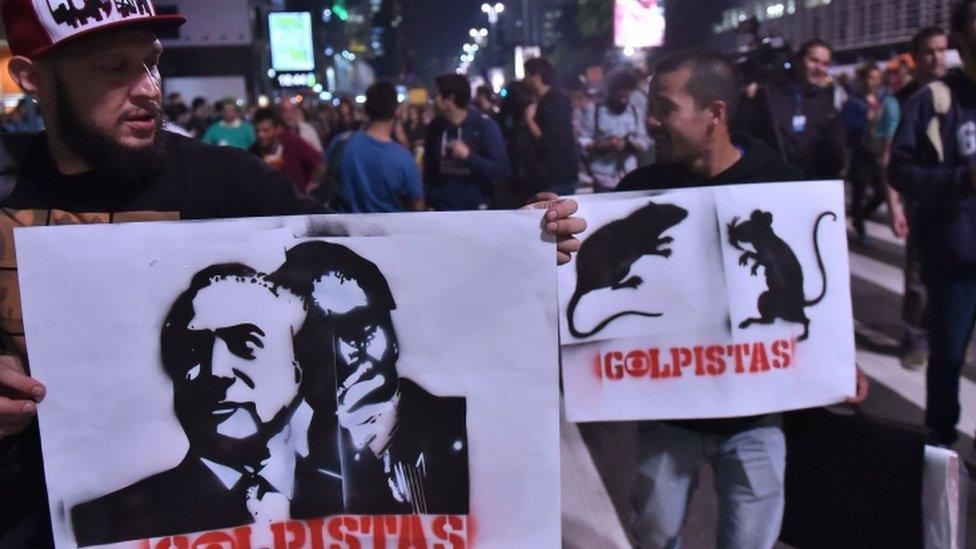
(492, 11)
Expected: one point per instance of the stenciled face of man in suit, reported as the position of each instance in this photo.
(228, 346)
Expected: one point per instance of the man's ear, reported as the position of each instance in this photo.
(30, 77)
(718, 112)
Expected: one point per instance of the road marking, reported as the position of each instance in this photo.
(910, 384)
(880, 231)
(878, 273)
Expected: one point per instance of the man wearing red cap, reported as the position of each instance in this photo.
(105, 158)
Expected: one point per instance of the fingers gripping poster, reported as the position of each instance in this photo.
(262, 383)
(708, 303)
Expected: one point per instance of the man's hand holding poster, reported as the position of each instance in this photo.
(708, 303)
(252, 384)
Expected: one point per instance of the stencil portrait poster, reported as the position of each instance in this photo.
(708, 303)
(266, 383)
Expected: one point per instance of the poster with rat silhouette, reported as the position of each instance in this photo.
(270, 383)
(708, 303)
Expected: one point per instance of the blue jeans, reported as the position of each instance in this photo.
(952, 314)
(749, 468)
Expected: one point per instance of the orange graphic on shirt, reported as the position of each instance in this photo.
(11, 315)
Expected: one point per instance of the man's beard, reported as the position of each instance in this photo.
(101, 152)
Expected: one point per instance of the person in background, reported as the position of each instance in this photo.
(200, 117)
(484, 100)
(372, 173)
(346, 120)
(464, 153)
(285, 151)
(933, 166)
(861, 115)
(613, 133)
(525, 179)
(798, 117)
(294, 119)
(550, 122)
(231, 130)
(175, 108)
(16, 120)
(414, 126)
(929, 48)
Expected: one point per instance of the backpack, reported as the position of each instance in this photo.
(329, 191)
(941, 102)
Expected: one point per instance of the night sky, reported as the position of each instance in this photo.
(438, 29)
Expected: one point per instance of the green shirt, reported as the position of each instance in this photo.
(239, 135)
(888, 122)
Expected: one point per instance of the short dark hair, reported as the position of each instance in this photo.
(805, 47)
(484, 91)
(620, 80)
(265, 114)
(924, 35)
(381, 101)
(960, 16)
(713, 78)
(455, 86)
(177, 352)
(542, 67)
(198, 102)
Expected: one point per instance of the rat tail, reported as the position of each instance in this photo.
(571, 310)
(820, 263)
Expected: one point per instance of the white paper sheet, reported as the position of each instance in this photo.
(474, 330)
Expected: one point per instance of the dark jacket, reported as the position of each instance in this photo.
(942, 194)
(453, 184)
(558, 152)
(819, 150)
(759, 164)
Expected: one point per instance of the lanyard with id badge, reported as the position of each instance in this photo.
(799, 119)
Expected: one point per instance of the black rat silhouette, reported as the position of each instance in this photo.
(784, 276)
(67, 14)
(606, 256)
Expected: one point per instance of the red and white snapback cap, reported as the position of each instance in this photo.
(35, 27)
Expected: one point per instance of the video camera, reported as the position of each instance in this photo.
(766, 59)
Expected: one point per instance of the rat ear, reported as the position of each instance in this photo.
(767, 218)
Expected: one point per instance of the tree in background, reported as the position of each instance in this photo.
(585, 36)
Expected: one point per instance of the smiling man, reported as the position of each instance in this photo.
(692, 100)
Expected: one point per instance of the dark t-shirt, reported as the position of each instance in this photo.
(759, 164)
(197, 182)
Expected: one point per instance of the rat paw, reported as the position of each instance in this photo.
(665, 240)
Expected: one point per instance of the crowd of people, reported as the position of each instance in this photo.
(906, 142)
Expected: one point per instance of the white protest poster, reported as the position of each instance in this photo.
(708, 303)
(263, 383)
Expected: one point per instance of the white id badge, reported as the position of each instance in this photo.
(799, 123)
